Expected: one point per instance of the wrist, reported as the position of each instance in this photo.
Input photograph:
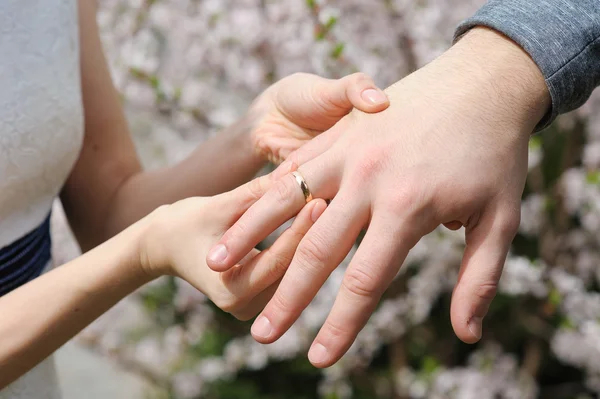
(488, 76)
(121, 255)
(517, 88)
(150, 238)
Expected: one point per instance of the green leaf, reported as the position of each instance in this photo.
(566, 323)
(160, 295)
(430, 365)
(330, 23)
(593, 177)
(154, 82)
(212, 343)
(535, 143)
(337, 50)
(555, 298)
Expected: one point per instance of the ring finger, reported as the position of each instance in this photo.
(284, 200)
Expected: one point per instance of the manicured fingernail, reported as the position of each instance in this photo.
(317, 354)
(475, 327)
(373, 96)
(317, 211)
(218, 254)
(261, 327)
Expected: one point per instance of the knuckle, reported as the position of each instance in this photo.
(228, 303)
(255, 188)
(403, 198)
(294, 235)
(361, 78)
(320, 94)
(486, 291)
(370, 164)
(279, 304)
(278, 264)
(294, 159)
(404, 202)
(335, 331)
(508, 223)
(412, 199)
(239, 229)
(229, 277)
(283, 190)
(360, 283)
(311, 254)
(244, 315)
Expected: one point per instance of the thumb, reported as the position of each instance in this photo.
(488, 243)
(353, 91)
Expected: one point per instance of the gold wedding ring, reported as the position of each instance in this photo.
(303, 186)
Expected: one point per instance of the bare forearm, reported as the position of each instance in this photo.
(42, 315)
(218, 165)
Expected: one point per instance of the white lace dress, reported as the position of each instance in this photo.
(41, 128)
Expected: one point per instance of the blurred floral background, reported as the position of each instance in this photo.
(187, 68)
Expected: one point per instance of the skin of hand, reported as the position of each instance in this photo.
(172, 240)
(108, 190)
(301, 106)
(181, 234)
(451, 149)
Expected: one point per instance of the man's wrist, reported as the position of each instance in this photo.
(485, 76)
(517, 86)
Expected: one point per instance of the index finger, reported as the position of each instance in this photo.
(251, 277)
(283, 201)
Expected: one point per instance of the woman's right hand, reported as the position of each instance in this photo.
(177, 237)
(172, 240)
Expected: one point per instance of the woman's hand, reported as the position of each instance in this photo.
(177, 238)
(301, 106)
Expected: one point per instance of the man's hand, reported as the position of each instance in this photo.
(451, 149)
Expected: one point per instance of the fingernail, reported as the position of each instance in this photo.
(283, 169)
(317, 211)
(475, 327)
(317, 354)
(373, 96)
(261, 327)
(218, 254)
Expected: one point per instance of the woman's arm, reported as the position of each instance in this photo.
(107, 190)
(42, 315)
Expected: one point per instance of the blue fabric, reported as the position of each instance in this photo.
(561, 36)
(25, 259)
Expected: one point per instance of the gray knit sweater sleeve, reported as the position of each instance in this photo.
(562, 37)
